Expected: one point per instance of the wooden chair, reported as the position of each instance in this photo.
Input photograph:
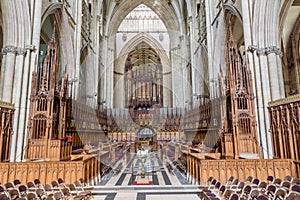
(32, 196)
(280, 194)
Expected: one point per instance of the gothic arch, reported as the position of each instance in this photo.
(234, 11)
(165, 11)
(65, 39)
(142, 37)
(266, 23)
(16, 23)
(119, 67)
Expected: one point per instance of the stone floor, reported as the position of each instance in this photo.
(164, 184)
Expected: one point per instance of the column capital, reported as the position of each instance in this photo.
(21, 51)
(265, 51)
(9, 49)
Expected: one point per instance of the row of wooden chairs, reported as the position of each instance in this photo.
(253, 188)
(34, 190)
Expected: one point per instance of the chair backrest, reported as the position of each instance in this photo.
(218, 185)
(14, 193)
(235, 182)
(40, 192)
(280, 193)
(241, 185)
(31, 196)
(4, 196)
(213, 182)
(17, 182)
(263, 185)
(262, 197)
(271, 188)
(255, 181)
(54, 184)
(77, 184)
(22, 188)
(286, 184)
(249, 179)
(234, 197)
(72, 187)
(270, 178)
(222, 189)
(48, 188)
(50, 198)
(230, 179)
(295, 188)
(2, 189)
(296, 181)
(288, 178)
(59, 180)
(9, 185)
(58, 195)
(228, 193)
(209, 179)
(277, 181)
(293, 196)
(31, 184)
(254, 194)
(65, 191)
(37, 181)
(247, 189)
(82, 181)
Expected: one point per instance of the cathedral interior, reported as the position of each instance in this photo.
(150, 99)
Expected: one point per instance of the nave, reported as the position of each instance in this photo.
(159, 181)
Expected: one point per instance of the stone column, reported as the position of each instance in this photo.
(210, 6)
(9, 60)
(25, 62)
(77, 45)
(110, 77)
(20, 98)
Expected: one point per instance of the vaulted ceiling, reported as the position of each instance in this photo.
(172, 12)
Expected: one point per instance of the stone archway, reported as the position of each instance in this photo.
(63, 34)
(146, 136)
(119, 67)
(164, 11)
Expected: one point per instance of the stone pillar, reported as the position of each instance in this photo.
(25, 62)
(110, 77)
(77, 45)
(9, 60)
(210, 6)
(20, 100)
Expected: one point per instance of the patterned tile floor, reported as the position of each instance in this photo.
(165, 185)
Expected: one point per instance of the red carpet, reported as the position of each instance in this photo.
(142, 182)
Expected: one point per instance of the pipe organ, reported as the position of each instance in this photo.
(143, 80)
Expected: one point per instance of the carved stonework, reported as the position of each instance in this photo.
(21, 51)
(9, 49)
(264, 51)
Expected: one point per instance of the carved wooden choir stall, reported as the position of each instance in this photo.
(6, 124)
(46, 125)
(239, 122)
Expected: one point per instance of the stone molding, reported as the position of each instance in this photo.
(264, 51)
(17, 50)
(9, 49)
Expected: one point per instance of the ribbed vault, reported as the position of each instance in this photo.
(164, 10)
(134, 42)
